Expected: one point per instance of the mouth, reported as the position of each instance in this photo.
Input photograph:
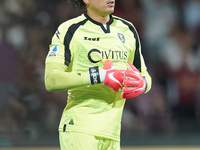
(111, 3)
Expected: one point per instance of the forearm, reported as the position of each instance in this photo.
(57, 79)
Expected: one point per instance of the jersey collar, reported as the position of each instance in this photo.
(100, 24)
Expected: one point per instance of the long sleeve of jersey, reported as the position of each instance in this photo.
(57, 79)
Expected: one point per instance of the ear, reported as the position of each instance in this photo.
(86, 1)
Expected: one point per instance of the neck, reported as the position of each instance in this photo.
(99, 18)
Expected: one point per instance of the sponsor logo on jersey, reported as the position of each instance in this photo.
(57, 34)
(53, 51)
(121, 37)
(110, 54)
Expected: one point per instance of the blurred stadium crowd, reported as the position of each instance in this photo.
(170, 38)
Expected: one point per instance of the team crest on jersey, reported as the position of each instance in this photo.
(121, 37)
(53, 51)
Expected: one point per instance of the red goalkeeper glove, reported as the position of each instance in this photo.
(108, 75)
(134, 83)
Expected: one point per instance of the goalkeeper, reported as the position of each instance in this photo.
(97, 58)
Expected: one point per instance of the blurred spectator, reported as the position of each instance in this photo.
(159, 18)
(181, 68)
(191, 15)
(131, 10)
(12, 113)
(8, 61)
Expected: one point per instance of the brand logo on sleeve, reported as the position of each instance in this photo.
(53, 51)
(71, 122)
(57, 34)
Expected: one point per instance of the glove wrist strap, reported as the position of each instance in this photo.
(94, 75)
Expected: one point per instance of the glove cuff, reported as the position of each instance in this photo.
(102, 73)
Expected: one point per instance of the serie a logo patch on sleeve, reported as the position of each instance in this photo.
(53, 51)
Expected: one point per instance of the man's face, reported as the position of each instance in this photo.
(100, 7)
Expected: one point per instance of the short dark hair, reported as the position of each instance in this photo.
(77, 4)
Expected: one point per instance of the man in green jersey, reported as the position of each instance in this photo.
(97, 58)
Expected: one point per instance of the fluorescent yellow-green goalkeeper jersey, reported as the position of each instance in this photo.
(77, 45)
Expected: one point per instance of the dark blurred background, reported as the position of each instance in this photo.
(170, 36)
